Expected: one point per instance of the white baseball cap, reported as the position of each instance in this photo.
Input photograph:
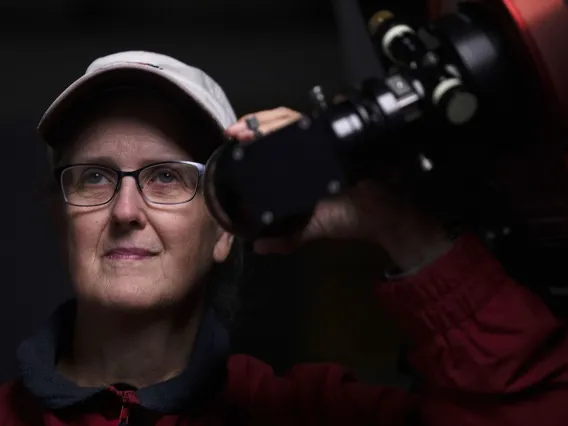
(189, 84)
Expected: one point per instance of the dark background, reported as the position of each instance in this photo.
(312, 306)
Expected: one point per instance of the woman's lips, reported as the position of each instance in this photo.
(129, 253)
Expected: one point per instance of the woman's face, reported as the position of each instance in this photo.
(177, 243)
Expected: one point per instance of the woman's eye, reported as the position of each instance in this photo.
(94, 178)
(164, 177)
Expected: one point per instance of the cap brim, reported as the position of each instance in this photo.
(125, 75)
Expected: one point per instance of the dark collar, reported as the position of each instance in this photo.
(204, 373)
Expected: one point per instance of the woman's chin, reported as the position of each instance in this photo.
(130, 298)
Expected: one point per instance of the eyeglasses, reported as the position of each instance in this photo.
(169, 182)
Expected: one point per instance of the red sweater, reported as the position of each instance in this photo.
(488, 351)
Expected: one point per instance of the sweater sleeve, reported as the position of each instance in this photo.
(488, 352)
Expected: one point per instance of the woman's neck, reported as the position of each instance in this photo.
(134, 349)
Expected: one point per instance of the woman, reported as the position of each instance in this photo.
(141, 343)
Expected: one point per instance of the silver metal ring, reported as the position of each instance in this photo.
(253, 124)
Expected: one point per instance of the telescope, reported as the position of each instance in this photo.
(472, 107)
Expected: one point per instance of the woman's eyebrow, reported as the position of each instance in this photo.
(105, 160)
(95, 159)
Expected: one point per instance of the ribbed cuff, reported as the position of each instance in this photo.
(442, 294)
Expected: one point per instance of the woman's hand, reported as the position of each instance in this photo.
(366, 211)
(268, 121)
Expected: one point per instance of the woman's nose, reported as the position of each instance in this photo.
(128, 205)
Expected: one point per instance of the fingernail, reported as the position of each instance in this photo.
(244, 136)
(237, 127)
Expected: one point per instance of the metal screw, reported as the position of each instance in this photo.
(238, 154)
(333, 187)
(318, 98)
(429, 59)
(305, 123)
(267, 218)
(425, 163)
